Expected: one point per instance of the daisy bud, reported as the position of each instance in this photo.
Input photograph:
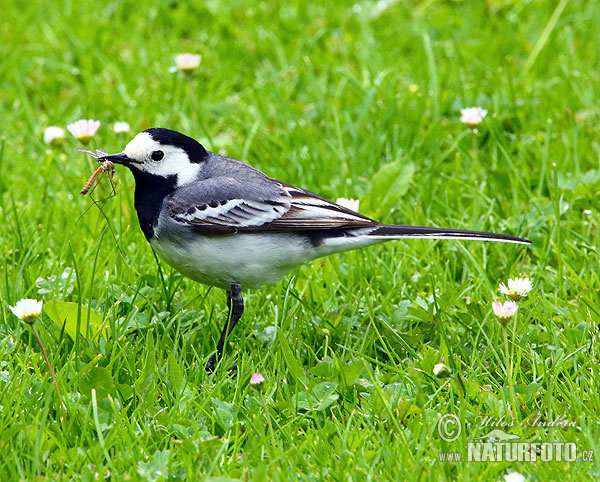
(27, 310)
(256, 381)
(441, 370)
(504, 311)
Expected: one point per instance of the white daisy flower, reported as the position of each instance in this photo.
(84, 129)
(517, 288)
(348, 203)
(27, 310)
(121, 127)
(187, 62)
(472, 116)
(441, 370)
(53, 135)
(514, 477)
(504, 311)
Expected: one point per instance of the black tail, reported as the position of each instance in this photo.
(420, 232)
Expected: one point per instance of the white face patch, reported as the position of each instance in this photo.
(174, 163)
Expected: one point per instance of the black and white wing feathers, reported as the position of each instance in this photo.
(226, 206)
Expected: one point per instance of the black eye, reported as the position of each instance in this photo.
(157, 155)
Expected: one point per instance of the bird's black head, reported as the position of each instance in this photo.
(162, 153)
(166, 137)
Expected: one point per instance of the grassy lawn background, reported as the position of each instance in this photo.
(318, 94)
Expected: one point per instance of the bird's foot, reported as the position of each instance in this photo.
(210, 365)
(212, 361)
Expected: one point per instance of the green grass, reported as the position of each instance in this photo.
(319, 94)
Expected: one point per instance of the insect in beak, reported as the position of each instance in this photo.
(106, 166)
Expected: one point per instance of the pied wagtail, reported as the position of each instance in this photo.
(221, 222)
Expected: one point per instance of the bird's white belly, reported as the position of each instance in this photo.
(250, 259)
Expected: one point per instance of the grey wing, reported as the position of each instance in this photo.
(223, 205)
(310, 211)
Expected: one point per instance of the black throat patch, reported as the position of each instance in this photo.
(150, 192)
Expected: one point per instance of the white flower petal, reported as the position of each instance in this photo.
(53, 134)
(187, 61)
(27, 309)
(84, 129)
(472, 116)
(505, 311)
(351, 204)
(517, 288)
(514, 477)
(121, 127)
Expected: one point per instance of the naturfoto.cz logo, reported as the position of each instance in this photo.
(498, 445)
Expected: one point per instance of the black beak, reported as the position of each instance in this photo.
(120, 158)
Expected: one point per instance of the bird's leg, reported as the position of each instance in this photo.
(235, 303)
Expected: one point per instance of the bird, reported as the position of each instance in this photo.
(224, 223)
